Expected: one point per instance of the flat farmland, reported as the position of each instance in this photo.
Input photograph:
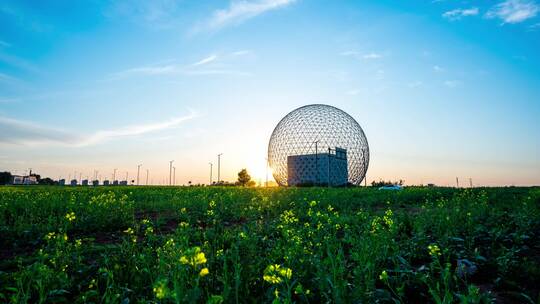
(275, 245)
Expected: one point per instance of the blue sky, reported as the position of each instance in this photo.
(441, 88)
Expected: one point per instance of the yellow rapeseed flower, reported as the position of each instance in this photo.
(70, 216)
(274, 274)
(434, 250)
(204, 272)
(160, 290)
(193, 257)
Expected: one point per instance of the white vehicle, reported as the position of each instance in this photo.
(392, 187)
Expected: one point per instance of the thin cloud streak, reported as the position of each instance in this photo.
(19, 132)
(204, 66)
(452, 83)
(205, 60)
(514, 11)
(242, 10)
(459, 13)
(358, 55)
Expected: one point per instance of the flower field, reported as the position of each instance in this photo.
(276, 245)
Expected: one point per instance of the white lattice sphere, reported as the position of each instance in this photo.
(318, 127)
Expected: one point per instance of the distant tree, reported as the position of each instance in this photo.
(47, 181)
(5, 178)
(383, 183)
(243, 178)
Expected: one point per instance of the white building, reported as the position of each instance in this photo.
(24, 180)
(318, 169)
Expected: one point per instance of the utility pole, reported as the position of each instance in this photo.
(219, 167)
(470, 182)
(174, 176)
(211, 165)
(316, 161)
(147, 173)
(170, 172)
(266, 183)
(114, 175)
(127, 177)
(138, 169)
(457, 182)
(329, 150)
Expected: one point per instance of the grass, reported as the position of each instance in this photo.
(280, 245)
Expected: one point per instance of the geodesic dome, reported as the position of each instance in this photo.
(314, 129)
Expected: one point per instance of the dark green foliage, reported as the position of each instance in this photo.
(281, 245)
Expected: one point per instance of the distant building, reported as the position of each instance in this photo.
(123, 183)
(17, 180)
(115, 183)
(25, 180)
(318, 169)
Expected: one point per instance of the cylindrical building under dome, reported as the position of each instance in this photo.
(318, 145)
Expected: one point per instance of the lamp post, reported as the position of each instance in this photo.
(316, 161)
(219, 167)
(138, 170)
(211, 169)
(170, 172)
(329, 150)
(266, 182)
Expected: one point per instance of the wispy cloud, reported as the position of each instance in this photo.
(459, 13)
(415, 84)
(534, 27)
(452, 83)
(7, 78)
(8, 100)
(155, 14)
(206, 66)
(145, 70)
(358, 55)
(242, 10)
(18, 62)
(20, 132)
(514, 11)
(372, 56)
(241, 52)
(437, 68)
(206, 60)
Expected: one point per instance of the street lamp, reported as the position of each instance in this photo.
(170, 172)
(138, 169)
(211, 165)
(219, 167)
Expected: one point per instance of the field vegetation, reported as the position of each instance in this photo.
(276, 245)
